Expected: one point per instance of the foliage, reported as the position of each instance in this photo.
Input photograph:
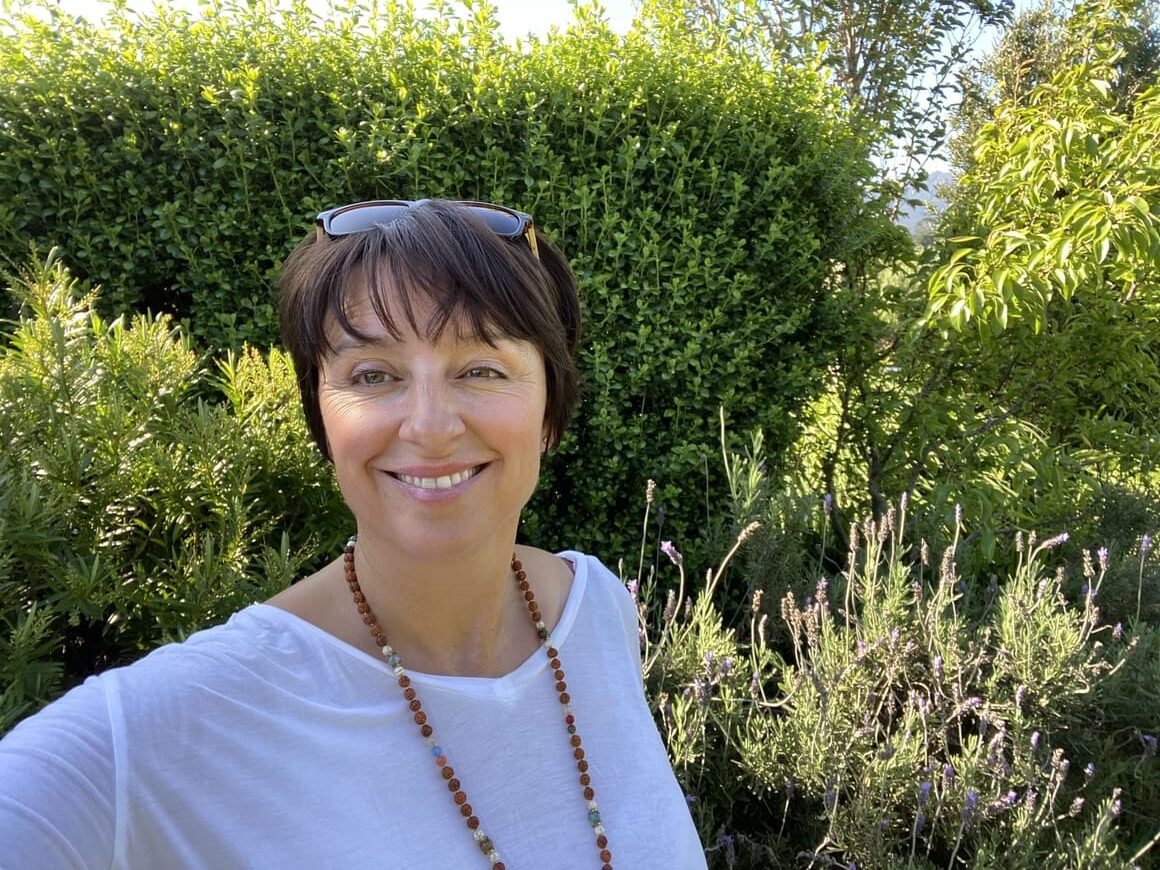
(895, 63)
(703, 197)
(1030, 49)
(905, 714)
(1025, 429)
(133, 510)
(1060, 201)
(1053, 277)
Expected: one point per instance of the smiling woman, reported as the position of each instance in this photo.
(407, 705)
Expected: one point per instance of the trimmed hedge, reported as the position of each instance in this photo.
(709, 205)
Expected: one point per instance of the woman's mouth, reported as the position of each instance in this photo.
(442, 482)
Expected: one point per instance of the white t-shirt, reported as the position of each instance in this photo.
(267, 742)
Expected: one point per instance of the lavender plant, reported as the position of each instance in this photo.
(907, 716)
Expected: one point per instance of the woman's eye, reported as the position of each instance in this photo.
(483, 372)
(370, 379)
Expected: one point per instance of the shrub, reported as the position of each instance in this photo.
(906, 714)
(706, 200)
(134, 511)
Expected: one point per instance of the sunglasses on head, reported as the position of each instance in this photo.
(362, 216)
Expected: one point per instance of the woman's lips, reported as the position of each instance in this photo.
(443, 481)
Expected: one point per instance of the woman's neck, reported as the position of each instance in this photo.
(460, 615)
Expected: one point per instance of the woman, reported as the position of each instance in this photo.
(437, 696)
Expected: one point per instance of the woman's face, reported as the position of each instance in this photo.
(436, 444)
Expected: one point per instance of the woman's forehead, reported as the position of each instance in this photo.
(383, 311)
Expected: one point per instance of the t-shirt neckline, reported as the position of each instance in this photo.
(486, 686)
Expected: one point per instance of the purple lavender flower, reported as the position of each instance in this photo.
(948, 773)
(1019, 695)
(1145, 546)
(1117, 806)
(1076, 807)
(828, 504)
(730, 851)
(726, 666)
(1034, 740)
(1102, 554)
(789, 788)
(894, 636)
(1089, 772)
(669, 550)
(969, 806)
(830, 799)
(634, 589)
(700, 690)
(919, 823)
(709, 659)
(958, 514)
(1118, 631)
(1052, 543)
(1002, 804)
(1149, 745)
(937, 667)
(690, 799)
(924, 793)
(754, 685)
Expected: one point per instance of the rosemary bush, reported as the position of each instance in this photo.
(902, 714)
(134, 509)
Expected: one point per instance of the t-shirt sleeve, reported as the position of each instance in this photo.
(625, 609)
(58, 786)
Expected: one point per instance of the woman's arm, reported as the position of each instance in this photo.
(58, 786)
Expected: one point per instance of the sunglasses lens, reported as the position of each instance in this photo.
(359, 218)
(499, 221)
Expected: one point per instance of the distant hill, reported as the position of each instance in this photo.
(913, 217)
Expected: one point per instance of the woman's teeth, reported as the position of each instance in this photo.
(445, 482)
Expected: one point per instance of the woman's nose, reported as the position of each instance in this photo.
(432, 415)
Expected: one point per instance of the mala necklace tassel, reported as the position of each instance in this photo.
(458, 795)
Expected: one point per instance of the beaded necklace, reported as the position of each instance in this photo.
(458, 795)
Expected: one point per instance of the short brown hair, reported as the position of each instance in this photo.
(495, 286)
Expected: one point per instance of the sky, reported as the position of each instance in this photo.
(517, 17)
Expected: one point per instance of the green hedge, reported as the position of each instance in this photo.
(710, 205)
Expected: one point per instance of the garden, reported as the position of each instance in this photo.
(887, 509)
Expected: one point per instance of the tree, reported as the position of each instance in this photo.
(894, 63)
(1028, 388)
(1029, 51)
